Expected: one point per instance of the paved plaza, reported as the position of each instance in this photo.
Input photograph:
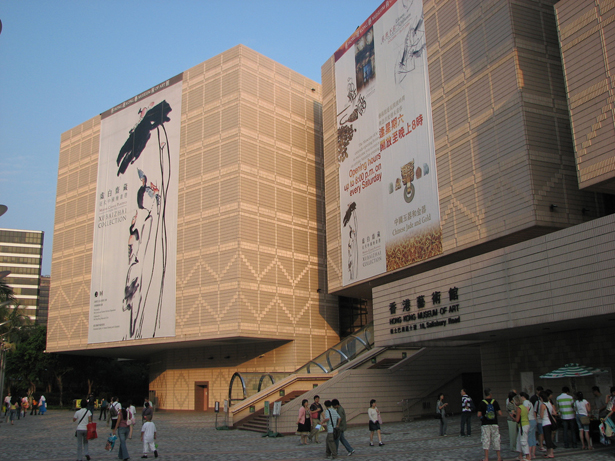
(184, 436)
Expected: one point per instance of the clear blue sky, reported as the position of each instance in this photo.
(64, 61)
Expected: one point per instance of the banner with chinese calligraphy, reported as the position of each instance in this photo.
(390, 213)
(132, 293)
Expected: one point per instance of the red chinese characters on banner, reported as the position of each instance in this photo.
(397, 129)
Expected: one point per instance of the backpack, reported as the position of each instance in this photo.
(472, 406)
(490, 413)
(113, 410)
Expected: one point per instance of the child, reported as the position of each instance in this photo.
(148, 435)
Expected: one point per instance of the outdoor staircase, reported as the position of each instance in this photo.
(257, 421)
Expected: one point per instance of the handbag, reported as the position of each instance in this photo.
(552, 419)
(91, 431)
(584, 420)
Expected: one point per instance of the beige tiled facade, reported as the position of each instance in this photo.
(587, 34)
(250, 243)
(502, 133)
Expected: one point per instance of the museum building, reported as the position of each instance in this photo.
(453, 177)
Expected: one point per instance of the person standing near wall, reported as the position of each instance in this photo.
(315, 412)
(531, 414)
(466, 415)
(374, 423)
(565, 403)
(303, 422)
(547, 413)
(488, 412)
(511, 409)
(441, 409)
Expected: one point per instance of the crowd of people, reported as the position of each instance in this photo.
(122, 420)
(16, 408)
(314, 419)
(533, 421)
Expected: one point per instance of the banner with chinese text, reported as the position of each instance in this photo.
(132, 292)
(390, 212)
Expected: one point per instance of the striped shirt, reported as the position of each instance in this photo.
(565, 404)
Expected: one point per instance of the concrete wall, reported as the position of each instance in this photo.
(419, 378)
(555, 280)
(502, 362)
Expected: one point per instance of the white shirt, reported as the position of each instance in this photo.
(82, 423)
(531, 414)
(148, 430)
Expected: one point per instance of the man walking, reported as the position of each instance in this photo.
(342, 427)
(488, 412)
(332, 419)
(466, 414)
(565, 404)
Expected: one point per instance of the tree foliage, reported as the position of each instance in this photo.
(63, 377)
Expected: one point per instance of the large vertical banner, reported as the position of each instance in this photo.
(390, 211)
(132, 294)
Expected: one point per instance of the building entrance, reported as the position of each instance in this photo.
(201, 395)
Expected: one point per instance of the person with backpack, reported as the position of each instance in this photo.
(488, 412)
(114, 410)
(466, 414)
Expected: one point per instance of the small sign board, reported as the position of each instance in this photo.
(277, 408)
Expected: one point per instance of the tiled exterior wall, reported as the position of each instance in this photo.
(504, 361)
(587, 34)
(563, 276)
(250, 245)
(503, 142)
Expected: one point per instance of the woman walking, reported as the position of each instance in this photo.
(84, 416)
(546, 416)
(582, 409)
(441, 409)
(303, 422)
(131, 422)
(374, 423)
(122, 432)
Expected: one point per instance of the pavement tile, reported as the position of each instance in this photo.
(184, 436)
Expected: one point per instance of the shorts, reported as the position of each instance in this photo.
(490, 435)
(582, 427)
(113, 423)
(374, 426)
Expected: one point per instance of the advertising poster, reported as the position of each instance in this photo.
(134, 255)
(388, 187)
